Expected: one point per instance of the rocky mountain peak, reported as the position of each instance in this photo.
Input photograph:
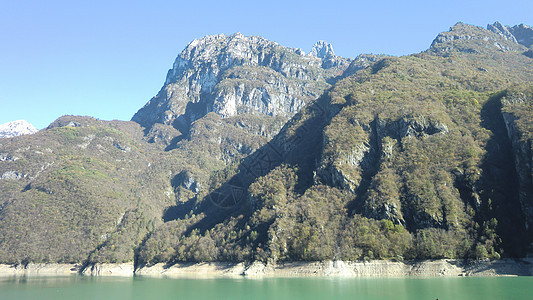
(502, 30)
(520, 34)
(322, 49)
(235, 74)
(523, 34)
(16, 128)
(218, 52)
(253, 151)
(474, 39)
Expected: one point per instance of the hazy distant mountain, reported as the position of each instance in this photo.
(255, 151)
(16, 128)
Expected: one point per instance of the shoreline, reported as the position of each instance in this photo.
(366, 269)
(57, 269)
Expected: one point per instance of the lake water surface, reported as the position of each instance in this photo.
(81, 288)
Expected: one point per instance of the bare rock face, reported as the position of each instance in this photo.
(363, 61)
(472, 39)
(123, 270)
(523, 34)
(504, 31)
(322, 49)
(519, 132)
(520, 34)
(231, 75)
(16, 128)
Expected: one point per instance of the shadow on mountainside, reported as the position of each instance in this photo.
(501, 183)
(297, 144)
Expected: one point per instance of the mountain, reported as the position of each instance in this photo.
(16, 128)
(240, 77)
(231, 75)
(407, 158)
(255, 151)
(520, 34)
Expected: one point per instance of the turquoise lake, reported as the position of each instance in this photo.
(80, 288)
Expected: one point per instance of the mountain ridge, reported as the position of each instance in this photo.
(231, 75)
(255, 151)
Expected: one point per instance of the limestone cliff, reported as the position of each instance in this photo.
(406, 157)
(472, 39)
(255, 151)
(231, 75)
(520, 34)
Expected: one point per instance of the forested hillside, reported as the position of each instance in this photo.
(254, 151)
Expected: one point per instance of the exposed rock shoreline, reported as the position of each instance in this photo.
(378, 268)
(31, 269)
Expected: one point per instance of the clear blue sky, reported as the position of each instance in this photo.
(106, 59)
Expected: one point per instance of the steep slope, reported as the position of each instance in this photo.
(408, 158)
(232, 75)
(249, 88)
(521, 34)
(253, 85)
(84, 190)
(517, 113)
(254, 151)
(78, 186)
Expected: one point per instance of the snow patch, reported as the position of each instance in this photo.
(16, 128)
